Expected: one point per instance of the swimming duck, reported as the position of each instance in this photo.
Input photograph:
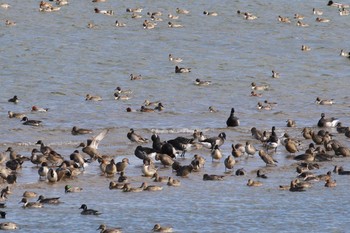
(327, 122)
(253, 93)
(158, 228)
(134, 137)
(171, 16)
(302, 24)
(291, 123)
(210, 13)
(298, 16)
(305, 48)
(135, 77)
(159, 107)
(135, 16)
(229, 162)
(128, 188)
(51, 200)
(105, 12)
(341, 128)
(29, 194)
(27, 204)
(78, 131)
(295, 187)
(119, 90)
(147, 187)
(116, 185)
(249, 16)
(253, 183)
(182, 11)
(16, 115)
(174, 25)
(37, 159)
(260, 175)
(336, 4)
(93, 98)
(87, 211)
(10, 22)
(324, 102)
(144, 109)
(344, 54)
(317, 12)
(31, 122)
(267, 158)
(232, 120)
(8, 226)
(202, 83)
(182, 69)
(259, 88)
(343, 12)
(283, 19)
(212, 177)
(275, 74)
(148, 25)
(322, 20)
(39, 109)
(260, 106)
(104, 229)
(173, 182)
(184, 171)
(119, 24)
(72, 189)
(135, 10)
(157, 178)
(212, 109)
(5, 5)
(340, 170)
(174, 59)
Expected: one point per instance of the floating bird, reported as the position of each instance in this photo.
(324, 102)
(104, 229)
(212, 177)
(14, 99)
(87, 211)
(31, 122)
(27, 204)
(51, 200)
(327, 122)
(78, 131)
(134, 137)
(232, 121)
(182, 69)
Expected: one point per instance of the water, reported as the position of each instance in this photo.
(53, 60)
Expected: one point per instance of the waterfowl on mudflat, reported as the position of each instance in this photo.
(232, 120)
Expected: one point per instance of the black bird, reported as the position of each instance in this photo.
(144, 152)
(14, 99)
(182, 144)
(232, 121)
(211, 142)
(156, 143)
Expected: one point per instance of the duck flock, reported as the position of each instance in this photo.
(162, 162)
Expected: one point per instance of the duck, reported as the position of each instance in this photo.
(254, 94)
(184, 171)
(174, 59)
(158, 228)
(148, 170)
(148, 25)
(119, 90)
(182, 70)
(135, 77)
(302, 24)
(39, 109)
(92, 145)
(305, 48)
(330, 183)
(267, 158)
(119, 24)
(111, 168)
(144, 152)
(296, 187)
(173, 182)
(171, 16)
(199, 82)
(174, 25)
(253, 183)
(212, 109)
(159, 107)
(317, 11)
(212, 177)
(29, 194)
(157, 178)
(27, 204)
(147, 187)
(291, 146)
(93, 97)
(105, 12)
(249, 16)
(51, 200)
(8, 226)
(72, 189)
(260, 175)
(260, 106)
(121, 97)
(5, 5)
(298, 16)
(344, 54)
(182, 11)
(275, 74)
(116, 185)
(127, 188)
(232, 120)
(283, 19)
(216, 153)
(210, 13)
(134, 10)
(134, 137)
(121, 166)
(229, 162)
(336, 4)
(324, 101)
(327, 122)
(201, 160)
(26, 121)
(340, 170)
(291, 123)
(256, 87)
(16, 115)
(78, 131)
(212, 141)
(10, 22)
(136, 16)
(104, 229)
(87, 211)
(322, 20)
(165, 159)
(43, 170)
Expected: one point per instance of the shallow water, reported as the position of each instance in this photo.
(53, 60)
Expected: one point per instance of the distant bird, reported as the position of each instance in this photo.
(253, 183)
(14, 99)
(87, 211)
(275, 74)
(291, 123)
(93, 98)
(134, 137)
(216, 153)
(232, 121)
(174, 59)
(92, 145)
(144, 152)
(229, 162)
(78, 131)
(72, 189)
(182, 144)
(26, 121)
(212, 177)
(104, 229)
(324, 101)
(260, 175)
(27, 204)
(182, 69)
(212, 141)
(51, 200)
(159, 228)
(267, 158)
